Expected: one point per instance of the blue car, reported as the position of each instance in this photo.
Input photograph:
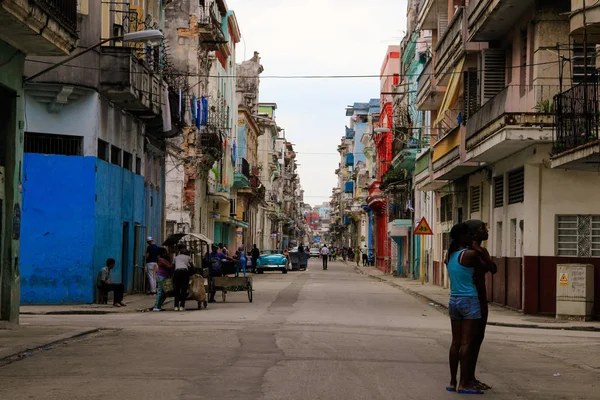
(272, 260)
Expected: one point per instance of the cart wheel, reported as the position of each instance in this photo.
(205, 304)
(224, 296)
(199, 305)
(249, 293)
(284, 271)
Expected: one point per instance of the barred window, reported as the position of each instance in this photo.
(578, 235)
(45, 143)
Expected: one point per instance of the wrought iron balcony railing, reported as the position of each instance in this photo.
(64, 11)
(576, 116)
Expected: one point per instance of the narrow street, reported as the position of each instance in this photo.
(317, 334)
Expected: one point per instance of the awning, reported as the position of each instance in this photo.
(451, 91)
(173, 239)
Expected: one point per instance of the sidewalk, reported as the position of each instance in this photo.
(18, 341)
(499, 316)
(134, 302)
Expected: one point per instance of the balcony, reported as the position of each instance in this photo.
(451, 46)
(446, 160)
(241, 178)
(211, 145)
(576, 113)
(349, 133)
(349, 160)
(128, 83)
(592, 16)
(428, 13)
(491, 20)
(39, 27)
(509, 122)
(405, 159)
(210, 26)
(429, 94)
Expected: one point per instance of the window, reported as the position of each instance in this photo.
(445, 241)
(446, 208)
(498, 191)
(115, 155)
(513, 237)
(475, 199)
(578, 61)
(516, 182)
(523, 64)
(43, 143)
(127, 161)
(233, 207)
(138, 165)
(499, 234)
(578, 235)
(103, 150)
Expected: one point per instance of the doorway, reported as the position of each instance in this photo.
(125, 255)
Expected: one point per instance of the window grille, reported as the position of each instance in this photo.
(578, 235)
(43, 143)
(498, 191)
(516, 186)
(475, 199)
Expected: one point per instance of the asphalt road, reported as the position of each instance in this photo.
(317, 334)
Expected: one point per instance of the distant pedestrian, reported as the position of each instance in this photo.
(107, 285)
(240, 256)
(165, 271)
(464, 309)
(181, 279)
(344, 253)
(350, 254)
(325, 255)
(151, 264)
(479, 232)
(255, 253)
(225, 250)
(365, 256)
(215, 261)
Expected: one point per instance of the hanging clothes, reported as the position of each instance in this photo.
(198, 114)
(193, 108)
(204, 110)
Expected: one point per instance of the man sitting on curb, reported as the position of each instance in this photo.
(106, 284)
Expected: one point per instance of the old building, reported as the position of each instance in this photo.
(26, 28)
(94, 165)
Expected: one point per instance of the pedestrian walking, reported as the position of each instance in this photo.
(344, 253)
(464, 309)
(365, 256)
(357, 256)
(240, 256)
(165, 271)
(107, 285)
(325, 256)
(151, 264)
(181, 278)
(215, 261)
(479, 233)
(255, 253)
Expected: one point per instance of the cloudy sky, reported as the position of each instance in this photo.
(318, 37)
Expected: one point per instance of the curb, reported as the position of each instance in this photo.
(444, 309)
(9, 353)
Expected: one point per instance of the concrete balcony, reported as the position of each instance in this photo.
(429, 94)
(405, 159)
(428, 14)
(220, 193)
(39, 27)
(241, 178)
(490, 20)
(451, 46)
(592, 16)
(447, 164)
(210, 25)
(506, 124)
(128, 83)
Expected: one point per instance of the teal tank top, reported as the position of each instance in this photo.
(461, 277)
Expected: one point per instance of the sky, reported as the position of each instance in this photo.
(318, 37)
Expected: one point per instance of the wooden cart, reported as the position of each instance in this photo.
(232, 284)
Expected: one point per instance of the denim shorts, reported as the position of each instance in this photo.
(461, 308)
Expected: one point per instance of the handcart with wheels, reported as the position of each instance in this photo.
(226, 284)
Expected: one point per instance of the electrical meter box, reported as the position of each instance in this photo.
(575, 291)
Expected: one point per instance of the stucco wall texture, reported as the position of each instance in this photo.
(73, 218)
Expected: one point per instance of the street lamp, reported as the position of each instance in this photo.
(151, 36)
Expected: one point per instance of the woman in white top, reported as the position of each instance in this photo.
(181, 280)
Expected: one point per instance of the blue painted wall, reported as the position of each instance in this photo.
(360, 129)
(57, 233)
(67, 240)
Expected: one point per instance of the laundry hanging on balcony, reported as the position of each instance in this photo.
(204, 118)
(166, 110)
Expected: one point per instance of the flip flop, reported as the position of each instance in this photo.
(482, 386)
(470, 391)
(450, 389)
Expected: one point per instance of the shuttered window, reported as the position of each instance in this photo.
(578, 235)
(498, 191)
(446, 208)
(516, 184)
(475, 199)
(471, 90)
(493, 67)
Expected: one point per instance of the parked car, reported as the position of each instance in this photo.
(315, 252)
(272, 260)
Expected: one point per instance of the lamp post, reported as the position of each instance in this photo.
(150, 36)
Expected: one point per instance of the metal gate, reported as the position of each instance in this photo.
(140, 283)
